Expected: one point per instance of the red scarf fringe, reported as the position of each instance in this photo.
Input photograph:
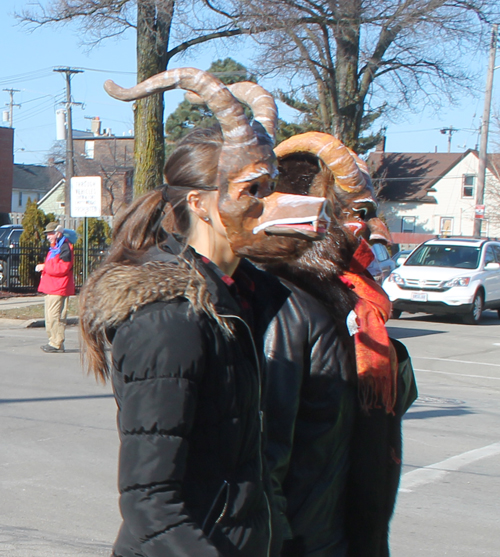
(376, 359)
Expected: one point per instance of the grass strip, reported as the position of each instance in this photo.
(36, 311)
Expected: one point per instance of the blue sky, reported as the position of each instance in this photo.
(29, 58)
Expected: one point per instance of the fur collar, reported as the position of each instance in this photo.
(116, 290)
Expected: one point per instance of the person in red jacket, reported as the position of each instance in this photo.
(58, 284)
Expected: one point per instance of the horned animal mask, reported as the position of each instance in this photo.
(258, 223)
(346, 183)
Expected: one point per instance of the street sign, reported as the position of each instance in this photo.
(479, 211)
(86, 196)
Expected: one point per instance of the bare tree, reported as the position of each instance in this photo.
(156, 23)
(360, 55)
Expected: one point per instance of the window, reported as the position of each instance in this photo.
(20, 201)
(408, 224)
(490, 256)
(446, 226)
(89, 149)
(496, 249)
(460, 257)
(469, 181)
(381, 252)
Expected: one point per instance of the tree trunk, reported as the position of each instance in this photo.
(347, 122)
(154, 18)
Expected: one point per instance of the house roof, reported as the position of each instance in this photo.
(55, 188)
(410, 176)
(494, 164)
(33, 177)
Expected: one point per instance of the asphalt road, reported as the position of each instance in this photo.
(58, 454)
(449, 499)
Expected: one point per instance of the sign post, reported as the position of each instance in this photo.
(86, 195)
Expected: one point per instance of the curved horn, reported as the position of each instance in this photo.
(333, 153)
(228, 111)
(260, 101)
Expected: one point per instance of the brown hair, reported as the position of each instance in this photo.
(193, 165)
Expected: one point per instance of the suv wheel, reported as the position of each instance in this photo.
(396, 313)
(473, 317)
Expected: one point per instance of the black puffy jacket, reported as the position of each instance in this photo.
(188, 391)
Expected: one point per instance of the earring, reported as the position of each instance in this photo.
(206, 219)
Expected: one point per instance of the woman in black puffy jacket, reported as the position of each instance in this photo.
(184, 366)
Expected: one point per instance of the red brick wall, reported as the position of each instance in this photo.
(113, 160)
(6, 168)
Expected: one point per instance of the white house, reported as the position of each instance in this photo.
(423, 195)
(53, 200)
(32, 181)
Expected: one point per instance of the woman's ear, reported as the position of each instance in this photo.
(197, 204)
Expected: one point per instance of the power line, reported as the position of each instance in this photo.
(28, 76)
(431, 130)
(40, 108)
(107, 71)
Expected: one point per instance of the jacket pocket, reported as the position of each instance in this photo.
(217, 510)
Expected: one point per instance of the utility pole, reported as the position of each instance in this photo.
(11, 105)
(70, 166)
(485, 124)
(450, 131)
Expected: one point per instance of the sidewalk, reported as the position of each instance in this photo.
(23, 301)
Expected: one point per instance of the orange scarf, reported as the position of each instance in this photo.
(376, 359)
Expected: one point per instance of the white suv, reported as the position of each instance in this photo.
(449, 275)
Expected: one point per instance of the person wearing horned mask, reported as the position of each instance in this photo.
(184, 364)
(337, 385)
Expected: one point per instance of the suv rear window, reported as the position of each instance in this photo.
(461, 257)
(380, 252)
(5, 233)
(14, 237)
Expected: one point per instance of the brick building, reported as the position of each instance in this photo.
(6, 172)
(108, 156)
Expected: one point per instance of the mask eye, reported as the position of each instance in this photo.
(261, 188)
(254, 189)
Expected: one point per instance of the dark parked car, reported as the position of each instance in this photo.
(9, 239)
(382, 266)
(400, 257)
(9, 233)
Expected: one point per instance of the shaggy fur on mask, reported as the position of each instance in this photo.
(116, 290)
(317, 272)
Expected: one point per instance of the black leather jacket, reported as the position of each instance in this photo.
(335, 470)
(310, 409)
